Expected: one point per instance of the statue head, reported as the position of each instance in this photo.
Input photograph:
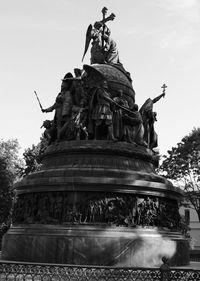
(77, 72)
(66, 82)
(98, 25)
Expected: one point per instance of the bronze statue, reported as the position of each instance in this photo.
(118, 126)
(100, 113)
(62, 106)
(149, 117)
(133, 126)
(49, 133)
(104, 49)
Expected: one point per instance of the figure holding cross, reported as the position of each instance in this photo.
(149, 117)
(103, 48)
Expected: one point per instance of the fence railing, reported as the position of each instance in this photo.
(15, 271)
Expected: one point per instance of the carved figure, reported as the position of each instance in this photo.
(80, 122)
(100, 114)
(103, 53)
(57, 106)
(118, 210)
(133, 126)
(49, 133)
(62, 106)
(149, 117)
(76, 125)
(118, 126)
(103, 48)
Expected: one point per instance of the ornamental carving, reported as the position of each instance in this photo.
(99, 208)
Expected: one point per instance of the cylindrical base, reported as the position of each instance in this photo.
(94, 245)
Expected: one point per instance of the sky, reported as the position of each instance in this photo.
(42, 40)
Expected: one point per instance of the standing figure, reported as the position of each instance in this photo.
(100, 125)
(101, 114)
(118, 127)
(62, 106)
(149, 117)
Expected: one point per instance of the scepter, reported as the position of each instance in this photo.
(38, 101)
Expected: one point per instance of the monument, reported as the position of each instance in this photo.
(97, 199)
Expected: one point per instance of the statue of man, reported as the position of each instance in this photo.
(118, 126)
(62, 106)
(99, 108)
(149, 117)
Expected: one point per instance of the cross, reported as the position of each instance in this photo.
(104, 12)
(104, 20)
(164, 87)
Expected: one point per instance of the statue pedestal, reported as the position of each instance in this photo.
(94, 245)
(96, 203)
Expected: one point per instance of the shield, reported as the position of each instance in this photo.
(87, 40)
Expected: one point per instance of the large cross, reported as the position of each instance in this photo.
(104, 20)
(104, 12)
(164, 87)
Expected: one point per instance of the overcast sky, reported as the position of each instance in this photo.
(41, 40)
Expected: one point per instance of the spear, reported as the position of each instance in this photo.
(38, 101)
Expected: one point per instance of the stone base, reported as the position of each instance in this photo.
(94, 245)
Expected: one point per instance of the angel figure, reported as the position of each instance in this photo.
(104, 49)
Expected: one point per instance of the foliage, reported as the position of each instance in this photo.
(32, 157)
(10, 169)
(5, 192)
(182, 165)
(9, 154)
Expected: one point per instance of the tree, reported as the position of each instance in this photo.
(10, 169)
(9, 153)
(182, 165)
(5, 192)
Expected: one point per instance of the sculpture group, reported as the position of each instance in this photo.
(85, 108)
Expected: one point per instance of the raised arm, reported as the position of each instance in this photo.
(158, 98)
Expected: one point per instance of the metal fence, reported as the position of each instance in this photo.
(52, 272)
